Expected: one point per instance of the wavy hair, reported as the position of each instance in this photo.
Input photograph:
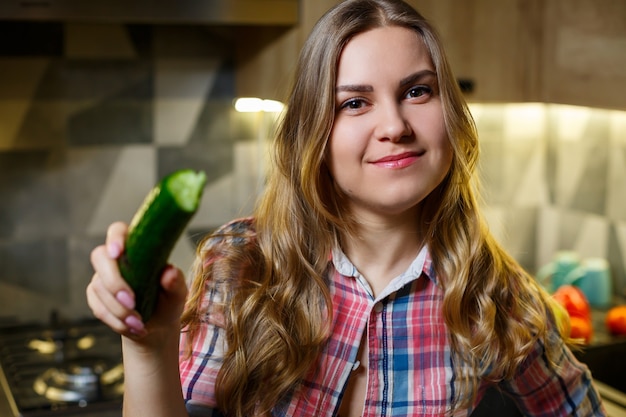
(276, 315)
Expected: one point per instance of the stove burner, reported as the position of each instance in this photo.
(61, 369)
(47, 346)
(80, 381)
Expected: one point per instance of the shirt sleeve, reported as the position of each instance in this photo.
(199, 368)
(565, 388)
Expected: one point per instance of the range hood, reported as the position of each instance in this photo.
(210, 12)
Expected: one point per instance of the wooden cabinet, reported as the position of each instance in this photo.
(266, 61)
(494, 43)
(584, 53)
(560, 51)
(555, 51)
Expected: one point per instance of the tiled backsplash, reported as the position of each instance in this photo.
(554, 179)
(84, 136)
(87, 128)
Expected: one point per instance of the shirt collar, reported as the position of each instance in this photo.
(421, 264)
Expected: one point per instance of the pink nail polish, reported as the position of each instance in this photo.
(114, 250)
(125, 299)
(136, 325)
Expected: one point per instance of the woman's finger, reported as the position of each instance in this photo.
(173, 281)
(108, 309)
(171, 299)
(100, 309)
(115, 238)
(110, 277)
(110, 301)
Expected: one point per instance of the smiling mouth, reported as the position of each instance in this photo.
(398, 161)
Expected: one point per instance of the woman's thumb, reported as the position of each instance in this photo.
(173, 282)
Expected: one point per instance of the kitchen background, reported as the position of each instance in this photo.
(91, 115)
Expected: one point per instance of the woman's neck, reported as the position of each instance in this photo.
(382, 250)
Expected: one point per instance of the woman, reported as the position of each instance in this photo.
(366, 283)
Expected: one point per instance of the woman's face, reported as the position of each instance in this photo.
(388, 148)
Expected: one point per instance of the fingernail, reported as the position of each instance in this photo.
(136, 325)
(134, 332)
(114, 250)
(125, 299)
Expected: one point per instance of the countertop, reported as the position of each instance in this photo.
(5, 407)
(614, 401)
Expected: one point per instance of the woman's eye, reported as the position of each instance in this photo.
(352, 104)
(419, 91)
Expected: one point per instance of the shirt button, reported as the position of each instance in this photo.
(378, 307)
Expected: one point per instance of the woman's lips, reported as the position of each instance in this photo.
(398, 161)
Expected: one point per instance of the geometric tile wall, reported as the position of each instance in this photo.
(92, 116)
(554, 178)
(88, 123)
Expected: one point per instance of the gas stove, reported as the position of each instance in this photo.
(62, 370)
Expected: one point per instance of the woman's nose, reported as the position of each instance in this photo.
(392, 123)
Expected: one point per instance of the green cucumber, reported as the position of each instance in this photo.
(154, 230)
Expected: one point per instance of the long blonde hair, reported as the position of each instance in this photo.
(278, 303)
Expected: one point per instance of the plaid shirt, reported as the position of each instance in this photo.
(410, 370)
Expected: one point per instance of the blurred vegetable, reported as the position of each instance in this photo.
(616, 320)
(154, 230)
(575, 303)
(581, 329)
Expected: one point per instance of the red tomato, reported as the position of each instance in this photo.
(581, 328)
(616, 320)
(574, 301)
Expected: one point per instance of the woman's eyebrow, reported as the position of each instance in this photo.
(366, 88)
(355, 88)
(417, 76)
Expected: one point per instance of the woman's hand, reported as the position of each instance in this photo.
(113, 302)
(151, 377)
